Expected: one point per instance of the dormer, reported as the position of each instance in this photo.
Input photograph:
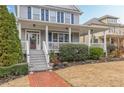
(108, 19)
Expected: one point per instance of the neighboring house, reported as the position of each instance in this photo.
(46, 27)
(114, 34)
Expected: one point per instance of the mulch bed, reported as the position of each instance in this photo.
(7, 79)
(63, 65)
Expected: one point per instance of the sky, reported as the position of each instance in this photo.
(91, 11)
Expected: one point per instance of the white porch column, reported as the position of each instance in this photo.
(69, 34)
(46, 30)
(89, 38)
(18, 11)
(19, 29)
(105, 44)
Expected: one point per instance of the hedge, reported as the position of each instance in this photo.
(96, 53)
(17, 69)
(73, 52)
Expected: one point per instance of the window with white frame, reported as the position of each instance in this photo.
(53, 16)
(67, 17)
(36, 13)
(58, 37)
(60, 17)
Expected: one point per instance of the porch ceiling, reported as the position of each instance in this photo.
(40, 25)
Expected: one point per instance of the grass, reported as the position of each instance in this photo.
(109, 74)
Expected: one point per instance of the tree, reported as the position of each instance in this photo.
(10, 47)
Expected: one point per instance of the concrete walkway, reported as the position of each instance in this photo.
(46, 79)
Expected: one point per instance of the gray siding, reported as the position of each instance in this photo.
(24, 12)
(52, 14)
(23, 35)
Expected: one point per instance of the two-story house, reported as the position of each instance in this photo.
(114, 34)
(46, 27)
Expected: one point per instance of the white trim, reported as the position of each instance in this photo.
(38, 46)
(19, 29)
(69, 34)
(89, 37)
(18, 11)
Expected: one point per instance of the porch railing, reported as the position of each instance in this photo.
(25, 49)
(45, 49)
(56, 45)
(101, 45)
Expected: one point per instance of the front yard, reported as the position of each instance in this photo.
(109, 74)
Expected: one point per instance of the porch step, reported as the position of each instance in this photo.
(37, 61)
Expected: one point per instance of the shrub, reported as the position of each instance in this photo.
(53, 57)
(73, 52)
(111, 47)
(17, 69)
(96, 53)
(10, 46)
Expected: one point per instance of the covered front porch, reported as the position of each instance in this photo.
(34, 33)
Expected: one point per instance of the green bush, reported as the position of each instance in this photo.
(111, 47)
(73, 52)
(17, 69)
(95, 53)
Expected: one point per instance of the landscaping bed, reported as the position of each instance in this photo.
(12, 72)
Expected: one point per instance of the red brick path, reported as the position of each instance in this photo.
(46, 79)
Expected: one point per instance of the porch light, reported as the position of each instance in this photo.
(34, 25)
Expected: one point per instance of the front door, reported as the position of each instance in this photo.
(33, 39)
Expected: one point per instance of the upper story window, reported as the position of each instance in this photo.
(29, 12)
(36, 13)
(62, 17)
(72, 18)
(67, 18)
(58, 17)
(42, 14)
(47, 15)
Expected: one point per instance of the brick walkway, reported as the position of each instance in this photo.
(46, 79)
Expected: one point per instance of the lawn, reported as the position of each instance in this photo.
(109, 74)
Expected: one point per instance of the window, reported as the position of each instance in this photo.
(62, 17)
(67, 17)
(66, 38)
(72, 18)
(55, 37)
(36, 13)
(47, 15)
(42, 14)
(60, 37)
(29, 12)
(50, 36)
(58, 17)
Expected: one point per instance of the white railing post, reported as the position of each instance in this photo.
(28, 56)
(89, 38)
(46, 53)
(69, 34)
(105, 46)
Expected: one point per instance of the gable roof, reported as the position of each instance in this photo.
(67, 7)
(93, 21)
(108, 16)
